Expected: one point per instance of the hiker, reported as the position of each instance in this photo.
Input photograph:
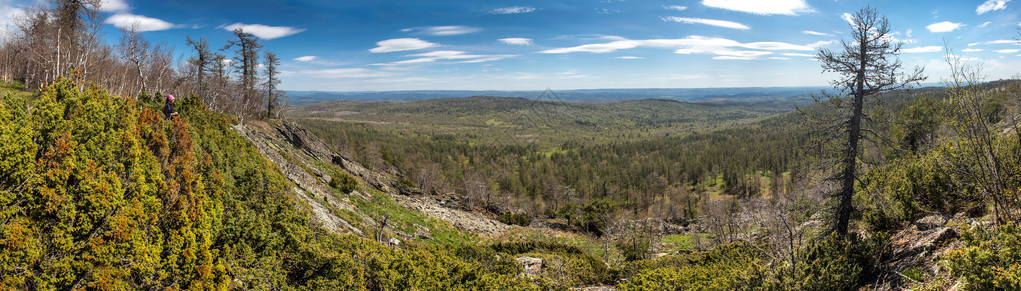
(169, 108)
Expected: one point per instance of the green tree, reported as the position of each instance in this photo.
(273, 95)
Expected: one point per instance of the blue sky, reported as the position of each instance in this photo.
(567, 44)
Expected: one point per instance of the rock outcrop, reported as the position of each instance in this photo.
(297, 152)
(532, 266)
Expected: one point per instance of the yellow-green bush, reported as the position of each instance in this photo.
(834, 263)
(911, 187)
(101, 192)
(514, 218)
(990, 259)
(343, 182)
(727, 267)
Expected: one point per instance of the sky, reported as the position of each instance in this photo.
(384, 45)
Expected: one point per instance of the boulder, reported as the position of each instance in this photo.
(532, 266)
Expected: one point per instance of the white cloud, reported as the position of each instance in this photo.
(816, 33)
(675, 7)
(847, 17)
(449, 30)
(798, 55)
(306, 59)
(908, 33)
(401, 44)
(516, 41)
(1007, 51)
(7, 17)
(724, 49)
(892, 37)
(681, 76)
(762, 7)
(113, 5)
(512, 10)
(713, 22)
(998, 41)
(338, 73)
(821, 43)
(969, 50)
(139, 23)
(984, 24)
(991, 5)
(264, 31)
(923, 49)
(944, 26)
(629, 58)
(458, 56)
(739, 55)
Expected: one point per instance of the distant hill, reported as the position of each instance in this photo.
(713, 95)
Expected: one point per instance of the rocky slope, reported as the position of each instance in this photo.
(306, 160)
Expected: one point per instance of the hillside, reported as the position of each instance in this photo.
(101, 192)
(738, 178)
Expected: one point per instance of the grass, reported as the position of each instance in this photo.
(407, 221)
(682, 242)
(593, 246)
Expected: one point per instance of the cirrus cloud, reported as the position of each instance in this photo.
(762, 7)
(713, 22)
(923, 49)
(449, 30)
(401, 44)
(998, 41)
(339, 73)
(457, 56)
(516, 41)
(512, 10)
(722, 48)
(306, 59)
(264, 31)
(991, 5)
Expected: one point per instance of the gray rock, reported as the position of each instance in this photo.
(532, 266)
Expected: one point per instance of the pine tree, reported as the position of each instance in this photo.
(273, 94)
(867, 65)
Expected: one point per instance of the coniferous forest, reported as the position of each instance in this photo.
(880, 183)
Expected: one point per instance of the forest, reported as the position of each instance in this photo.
(878, 185)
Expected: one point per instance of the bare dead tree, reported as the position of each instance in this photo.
(986, 162)
(867, 65)
(135, 49)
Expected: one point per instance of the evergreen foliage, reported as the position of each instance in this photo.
(101, 192)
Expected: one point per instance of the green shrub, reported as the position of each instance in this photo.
(990, 259)
(513, 218)
(567, 265)
(343, 182)
(407, 183)
(728, 267)
(913, 186)
(835, 263)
